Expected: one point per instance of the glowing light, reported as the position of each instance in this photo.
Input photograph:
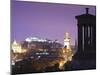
(12, 63)
(61, 65)
(39, 57)
(35, 39)
(16, 47)
(28, 40)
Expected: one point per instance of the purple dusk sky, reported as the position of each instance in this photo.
(45, 20)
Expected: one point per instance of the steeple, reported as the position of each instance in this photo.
(87, 10)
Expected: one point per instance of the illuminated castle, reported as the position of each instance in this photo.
(16, 47)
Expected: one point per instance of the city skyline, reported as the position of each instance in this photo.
(45, 20)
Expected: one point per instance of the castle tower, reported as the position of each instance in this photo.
(67, 40)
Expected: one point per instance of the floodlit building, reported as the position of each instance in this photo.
(30, 39)
(67, 40)
(40, 43)
(17, 48)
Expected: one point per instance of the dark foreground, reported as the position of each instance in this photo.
(26, 66)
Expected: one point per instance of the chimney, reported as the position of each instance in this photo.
(87, 10)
